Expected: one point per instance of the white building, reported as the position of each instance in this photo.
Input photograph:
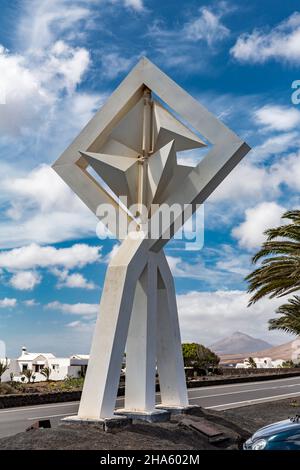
(261, 363)
(60, 367)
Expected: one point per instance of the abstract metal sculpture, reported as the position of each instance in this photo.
(131, 143)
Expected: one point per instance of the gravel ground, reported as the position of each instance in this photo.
(177, 434)
(236, 425)
(140, 436)
(253, 417)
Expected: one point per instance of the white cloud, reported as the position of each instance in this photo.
(74, 309)
(44, 110)
(279, 118)
(207, 27)
(34, 87)
(81, 326)
(44, 229)
(25, 280)
(191, 157)
(74, 280)
(276, 145)
(225, 266)
(250, 181)
(112, 253)
(40, 202)
(34, 256)
(42, 99)
(41, 186)
(233, 262)
(178, 46)
(135, 4)
(42, 22)
(31, 303)
(287, 171)
(77, 280)
(40, 78)
(280, 43)
(113, 64)
(196, 270)
(258, 219)
(6, 302)
(227, 311)
(246, 180)
(21, 89)
(251, 184)
(64, 67)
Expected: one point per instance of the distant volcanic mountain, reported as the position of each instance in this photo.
(283, 351)
(239, 343)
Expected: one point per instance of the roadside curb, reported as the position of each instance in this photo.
(29, 399)
(233, 380)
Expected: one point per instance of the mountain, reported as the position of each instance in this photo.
(283, 351)
(239, 343)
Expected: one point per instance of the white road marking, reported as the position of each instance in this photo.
(52, 416)
(244, 384)
(252, 402)
(244, 391)
(226, 405)
(190, 390)
(38, 407)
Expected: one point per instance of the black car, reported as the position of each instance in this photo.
(283, 435)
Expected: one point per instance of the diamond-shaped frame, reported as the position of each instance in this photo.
(226, 152)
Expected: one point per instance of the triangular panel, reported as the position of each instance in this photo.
(129, 131)
(167, 127)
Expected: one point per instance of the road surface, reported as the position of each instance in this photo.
(219, 397)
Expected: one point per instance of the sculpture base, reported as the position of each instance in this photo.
(107, 424)
(178, 409)
(151, 416)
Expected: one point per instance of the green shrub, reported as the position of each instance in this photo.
(71, 383)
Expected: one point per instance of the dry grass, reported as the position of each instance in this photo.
(7, 389)
(73, 384)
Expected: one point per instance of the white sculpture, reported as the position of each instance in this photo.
(131, 143)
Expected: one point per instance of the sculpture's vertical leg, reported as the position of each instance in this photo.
(103, 373)
(141, 343)
(169, 352)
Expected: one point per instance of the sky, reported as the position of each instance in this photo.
(59, 61)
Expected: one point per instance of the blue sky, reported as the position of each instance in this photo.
(59, 60)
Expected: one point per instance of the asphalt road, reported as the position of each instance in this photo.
(220, 397)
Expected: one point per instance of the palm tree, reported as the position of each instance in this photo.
(4, 366)
(251, 362)
(279, 273)
(29, 374)
(46, 371)
(290, 317)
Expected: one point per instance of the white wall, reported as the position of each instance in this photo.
(13, 368)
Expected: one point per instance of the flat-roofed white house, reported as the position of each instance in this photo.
(60, 367)
(79, 360)
(78, 364)
(261, 363)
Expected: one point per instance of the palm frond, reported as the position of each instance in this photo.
(289, 322)
(279, 271)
